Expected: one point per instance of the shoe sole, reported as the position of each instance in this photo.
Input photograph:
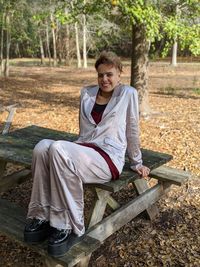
(36, 237)
(59, 250)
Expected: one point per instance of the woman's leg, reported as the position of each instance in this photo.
(71, 165)
(40, 196)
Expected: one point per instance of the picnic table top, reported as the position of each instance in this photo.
(17, 147)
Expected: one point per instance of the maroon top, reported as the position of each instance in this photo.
(97, 113)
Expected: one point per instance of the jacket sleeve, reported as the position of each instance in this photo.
(80, 103)
(132, 131)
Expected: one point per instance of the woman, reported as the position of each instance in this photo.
(108, 127)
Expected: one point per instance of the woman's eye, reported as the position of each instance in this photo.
(101, 75)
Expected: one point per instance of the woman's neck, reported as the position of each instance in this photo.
(103, 97)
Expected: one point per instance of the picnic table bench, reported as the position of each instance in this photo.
(17, 147)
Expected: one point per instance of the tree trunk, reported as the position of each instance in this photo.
(2, 42)
(174, 54)
(67, 46)
(77, 47)
(59, 47)
(175, 45)
(139, 67)
(41, 50)
(54, 41)
(7, 67)
(47, 43)
(17, 51)
(84, 42)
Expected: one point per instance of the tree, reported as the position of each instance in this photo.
(150, 21)
(181, 25)
(145, 19)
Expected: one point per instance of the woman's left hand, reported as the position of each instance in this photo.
(143, 171)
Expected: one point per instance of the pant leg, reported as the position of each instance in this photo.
(40, 197)
(71, 165)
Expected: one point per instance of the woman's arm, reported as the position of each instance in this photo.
(132, 135)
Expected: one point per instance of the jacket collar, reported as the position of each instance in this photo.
(91, 98)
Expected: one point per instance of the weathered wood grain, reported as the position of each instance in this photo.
(2, 167)
(9, 120)
(167, 174)
(12, 222)
(141, 186)
(17, 147)
(9, 181)
(123, 215)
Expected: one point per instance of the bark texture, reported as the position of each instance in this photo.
(139, 67)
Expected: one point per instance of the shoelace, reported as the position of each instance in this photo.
(35, 222)
(57, 232)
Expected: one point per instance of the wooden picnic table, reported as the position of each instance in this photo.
(17, 147)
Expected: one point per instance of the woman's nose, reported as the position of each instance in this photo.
(105, 77)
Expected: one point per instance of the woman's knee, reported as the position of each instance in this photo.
(42, 147)
(58, 148)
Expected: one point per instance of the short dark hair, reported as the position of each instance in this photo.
(109, 58)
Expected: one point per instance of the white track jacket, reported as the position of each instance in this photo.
(118, 130)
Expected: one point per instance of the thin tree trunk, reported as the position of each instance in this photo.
(7, 67)
(41, 50)
(54, 41)
(59, 47)
(17, 51)
(77, 47)
(139, 67)
(175, 45)
(84, 42)
(47, 43)
(2, 42)
(174, 54)
(67, 46)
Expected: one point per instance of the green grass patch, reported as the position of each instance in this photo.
(196, 91)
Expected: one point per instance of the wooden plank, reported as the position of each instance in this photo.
(126, 213)
(17, 147)
(12, 218)
(2, 167)
(14, 150)
(31, 135)
(76, 253)
(151, 159)
(167, 174)
(99, 207)
(13, 179)
(113, 203)
(141, 186)
(37, 133)
(8, 121)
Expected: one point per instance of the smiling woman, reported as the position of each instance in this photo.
(109, 124)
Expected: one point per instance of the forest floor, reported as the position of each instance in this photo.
(49, 97)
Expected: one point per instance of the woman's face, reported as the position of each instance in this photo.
(108, 77)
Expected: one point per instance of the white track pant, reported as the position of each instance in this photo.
(59, 170)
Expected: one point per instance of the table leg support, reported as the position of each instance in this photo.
(98, 210)
(51, 263)
(141, 186)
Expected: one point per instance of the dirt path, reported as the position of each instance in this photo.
(50, 98)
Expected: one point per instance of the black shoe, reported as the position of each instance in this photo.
(36, 230)
(59, 242)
